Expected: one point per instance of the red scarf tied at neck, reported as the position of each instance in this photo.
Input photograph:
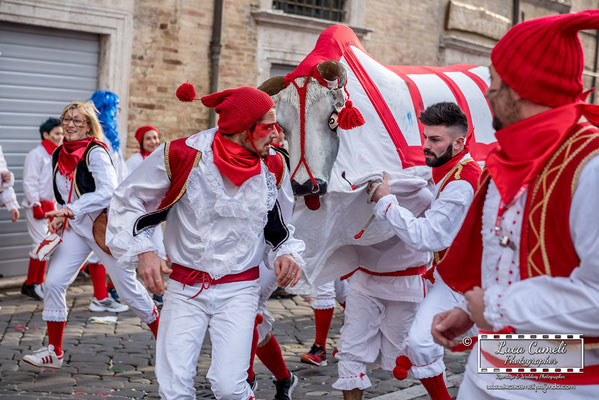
(233, 161)
(71, 153)
(526, 146)
(49, 146)
(440, 171)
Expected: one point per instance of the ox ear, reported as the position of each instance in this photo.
(331, 70)
(273, 85)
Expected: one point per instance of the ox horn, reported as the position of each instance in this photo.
(273, 85)
(331, 70)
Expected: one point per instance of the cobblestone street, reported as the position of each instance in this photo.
(117, 361)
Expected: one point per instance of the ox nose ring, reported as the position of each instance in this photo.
(315, 188)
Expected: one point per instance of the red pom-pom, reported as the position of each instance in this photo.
(400, 373)
(259, 319)
(403, 362)
(349, 117)
(186, 92)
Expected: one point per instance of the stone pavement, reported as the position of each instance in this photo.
(116, 361)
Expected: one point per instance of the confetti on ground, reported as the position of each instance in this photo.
(20, 328)
(108, 320)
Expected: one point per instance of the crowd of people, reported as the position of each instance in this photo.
(511, 248)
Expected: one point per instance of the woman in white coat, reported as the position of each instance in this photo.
(84, 180)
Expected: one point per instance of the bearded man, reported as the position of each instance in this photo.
(455, 175)
(219, 192)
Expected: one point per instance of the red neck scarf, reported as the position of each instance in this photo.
(144, 154)
(234, 161)
(71, 153)
(440, 171)
(49, 146)
(525, 147)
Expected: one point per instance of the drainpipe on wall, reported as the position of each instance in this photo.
(215, 47)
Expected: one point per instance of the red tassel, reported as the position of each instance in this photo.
(400, 373)
(403, 362)
(186, 92)
(349, 117)
(403, 365)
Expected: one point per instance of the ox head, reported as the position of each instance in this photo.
(320, 141)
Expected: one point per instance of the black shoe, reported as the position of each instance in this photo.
(253, 384)
(29, 290)
(285, 387)
(280, 293)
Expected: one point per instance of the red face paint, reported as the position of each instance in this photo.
(262, 130)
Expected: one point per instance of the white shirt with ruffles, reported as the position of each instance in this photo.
(215, 227)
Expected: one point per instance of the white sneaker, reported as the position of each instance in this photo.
(45, 357)
(39, 290)
(107, 304)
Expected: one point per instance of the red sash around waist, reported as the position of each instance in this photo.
(406, 272)
(190, 276)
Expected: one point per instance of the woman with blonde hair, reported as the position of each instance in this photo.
(84, 180)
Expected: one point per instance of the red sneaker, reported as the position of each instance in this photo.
(316, 356)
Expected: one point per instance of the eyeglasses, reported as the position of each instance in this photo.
(76, 121)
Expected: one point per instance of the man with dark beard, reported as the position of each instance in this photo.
(455, 175)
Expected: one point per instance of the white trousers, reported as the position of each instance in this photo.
(227, 311)
(37, 228)
(371, 326)
(65, 265)
(427, 356)
(328, 293)
(268, 284)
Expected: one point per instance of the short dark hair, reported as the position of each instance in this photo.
(446, 114)
(47, 126)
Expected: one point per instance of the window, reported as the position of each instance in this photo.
(332, 10)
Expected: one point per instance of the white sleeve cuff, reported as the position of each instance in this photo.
(382, 206)
(140, 244)
(494, 311)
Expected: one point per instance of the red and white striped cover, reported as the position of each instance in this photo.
(389, 98)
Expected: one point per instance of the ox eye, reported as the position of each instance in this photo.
(333, 121)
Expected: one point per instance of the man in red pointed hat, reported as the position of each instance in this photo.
(221, 193)
(455, 175)
(526, 257)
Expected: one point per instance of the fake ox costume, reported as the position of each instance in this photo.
(455, 183)
(221, 206)
(84, 181)
(530, 237)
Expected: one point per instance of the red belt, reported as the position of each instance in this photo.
(190, 276)
(406, 272)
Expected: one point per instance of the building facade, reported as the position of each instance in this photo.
(52, 53)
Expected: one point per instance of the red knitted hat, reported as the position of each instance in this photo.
(140, 132)
(239, 108)
(542, 59)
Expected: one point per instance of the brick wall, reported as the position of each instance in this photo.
(170, 46)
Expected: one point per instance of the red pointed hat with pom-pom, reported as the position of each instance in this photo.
(238, 109)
